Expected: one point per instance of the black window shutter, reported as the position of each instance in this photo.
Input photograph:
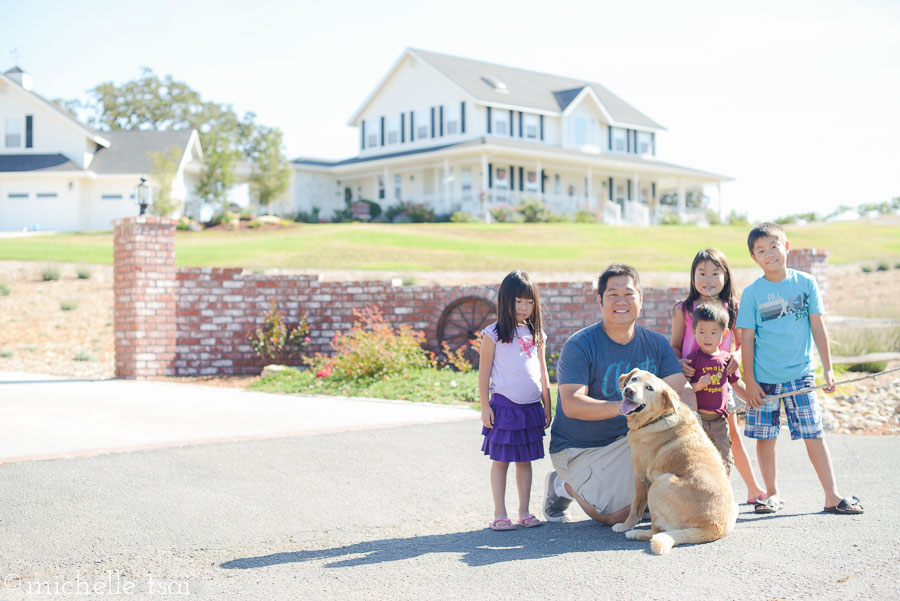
(489, 119)
(441, 113)
(653, 189)
(542, 177)
(629, 189)
(628, 146)
(462, 117)
(520, 124)
(610, 189)
(412, 126)
(609, 141)
(490, 174)
(402, 128)
(542, 127)
(521, 179)
(382, 136)
(362, 134)
(653, 142)
(432, 122)
(636, 149)
(29, 135)
(511, 122)
(512, 177)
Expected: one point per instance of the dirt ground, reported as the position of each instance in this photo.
(37, 335)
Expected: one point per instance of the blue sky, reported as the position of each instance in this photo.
(796, 100)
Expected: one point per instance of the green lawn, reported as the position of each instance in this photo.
(467, 247)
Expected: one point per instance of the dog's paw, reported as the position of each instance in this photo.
(632, 535)
(621, 527)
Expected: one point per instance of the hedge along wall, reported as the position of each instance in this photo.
(197, 322)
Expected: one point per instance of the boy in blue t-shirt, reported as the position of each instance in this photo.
(779, 318)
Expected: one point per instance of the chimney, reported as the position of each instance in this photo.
(20, 77)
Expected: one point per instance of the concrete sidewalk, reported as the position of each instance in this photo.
(49, 417)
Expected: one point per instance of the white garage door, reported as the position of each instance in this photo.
(48, 210)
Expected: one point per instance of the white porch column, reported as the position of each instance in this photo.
(540, 181)
(590, 191)
(681, 199)
(719, 192)
(388, 188)
(485, 214)
(445, 186)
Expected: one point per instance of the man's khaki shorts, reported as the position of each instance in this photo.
(602, 476)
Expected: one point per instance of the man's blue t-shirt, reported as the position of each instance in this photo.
(591, 357)
(779, 314)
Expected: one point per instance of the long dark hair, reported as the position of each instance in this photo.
(518, 284)
(714, 256)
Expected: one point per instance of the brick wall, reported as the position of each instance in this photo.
(195, 321)
(144, 287)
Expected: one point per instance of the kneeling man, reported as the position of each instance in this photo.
(588, 448)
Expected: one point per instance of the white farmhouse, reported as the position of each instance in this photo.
(58, 174)
(465, 135)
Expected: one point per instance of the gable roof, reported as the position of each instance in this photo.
(94, 135)
(528, 89)
(129, 151)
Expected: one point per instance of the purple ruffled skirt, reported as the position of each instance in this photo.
(518, 431)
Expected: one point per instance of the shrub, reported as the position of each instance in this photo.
(552, 360)
(870, 368)
(456, 360)
(50, 274)
(503, 213)
(670, 218)
(534, 211)
(884, 266)
(84, 356)
(84, 273)
(585, 216)
(897, 265)
(6, 353)
(410, 212)
(868, 269)
(4, 290)
(304, 217)
(68, 305)
(275, 340)
(463, 217)
(372, 348)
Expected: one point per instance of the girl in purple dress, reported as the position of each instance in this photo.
(515, 394)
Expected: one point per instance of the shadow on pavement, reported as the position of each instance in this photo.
(478, 547)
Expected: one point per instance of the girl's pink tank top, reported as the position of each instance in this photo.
(689, 343)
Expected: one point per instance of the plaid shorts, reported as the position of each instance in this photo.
(802, 410)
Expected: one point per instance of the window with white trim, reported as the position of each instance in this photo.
(643, 142)
(451, 120)
(373, 139)
(618, 139)
(501, 122)
(501, 180)
(380, 188)
(581, 133)
(466, 182)
(45, 195)
(13, 132)
(531, 183)
(17, 195)
(393, 133)
(531, 126)
(398, 187)
(557, 184)
(110, 197)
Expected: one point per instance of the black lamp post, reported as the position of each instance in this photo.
(143, 195)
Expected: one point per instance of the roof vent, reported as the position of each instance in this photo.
(495, 83)
(20, 77)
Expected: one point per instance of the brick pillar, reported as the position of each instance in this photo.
(144, 288)
(813, 261)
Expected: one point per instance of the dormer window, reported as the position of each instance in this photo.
(643, 143)
(501, 123)
(451, 120)
(373, 140)
(393, 135)
(12, 132)
(495, 83)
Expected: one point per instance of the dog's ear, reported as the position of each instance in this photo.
(623, 379)
(670, 397)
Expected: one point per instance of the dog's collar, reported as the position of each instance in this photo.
(658, 419)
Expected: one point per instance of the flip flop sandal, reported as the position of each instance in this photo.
(849, 506)
(501, 524)
(755, 501)
(530, 522)
(770, 505)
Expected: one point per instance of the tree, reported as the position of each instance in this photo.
(165, 166)
(270, 176)
(153, 103)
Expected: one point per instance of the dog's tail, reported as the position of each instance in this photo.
(662, 542)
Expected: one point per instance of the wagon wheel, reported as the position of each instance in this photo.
(462, 320)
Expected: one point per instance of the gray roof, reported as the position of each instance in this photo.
(129, 151)
(36, 162)
(525, 145)
(530, 89)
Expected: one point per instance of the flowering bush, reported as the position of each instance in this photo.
(275, 340)
(410, 212)
(372, 348)
(502, 213)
